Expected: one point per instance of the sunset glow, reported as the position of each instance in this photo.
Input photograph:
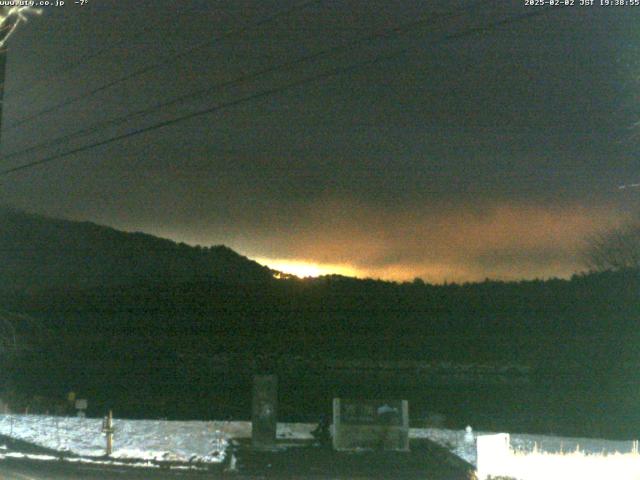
(304, 269)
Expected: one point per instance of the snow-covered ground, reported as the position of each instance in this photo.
(139, 439)
(464, 447)
(194, 441)
(200, 441)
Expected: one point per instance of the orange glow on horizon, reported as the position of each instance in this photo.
(304, 268)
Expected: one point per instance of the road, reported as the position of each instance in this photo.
(24, 469)
(426, 461)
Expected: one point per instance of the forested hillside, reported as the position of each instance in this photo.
(40, 253)
(130, 309)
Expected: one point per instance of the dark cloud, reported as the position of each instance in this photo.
(491, 155)
(439, 242)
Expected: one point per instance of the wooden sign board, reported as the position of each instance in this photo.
(370, 424)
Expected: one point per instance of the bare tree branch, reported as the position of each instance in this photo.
(17, 332)
(617, 249)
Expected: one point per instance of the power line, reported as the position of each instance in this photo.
(73, 66)
(397, 31)
(153, 66)
(324, 75)
(275, 90)
(78, 63)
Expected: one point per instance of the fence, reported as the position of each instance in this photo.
(496, 458)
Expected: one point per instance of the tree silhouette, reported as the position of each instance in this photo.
(18, 332)
(616, 249)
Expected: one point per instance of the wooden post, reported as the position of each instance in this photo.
(110, 433)
(107, 428)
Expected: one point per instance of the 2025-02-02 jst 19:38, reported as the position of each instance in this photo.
(582, 3)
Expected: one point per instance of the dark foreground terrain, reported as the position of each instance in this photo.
(150, 328)
(425, 461)
(20, 469)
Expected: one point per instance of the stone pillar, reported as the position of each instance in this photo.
(264, 418)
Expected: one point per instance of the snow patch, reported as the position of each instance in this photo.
(207, 442)
(133, 439)
(457, 442)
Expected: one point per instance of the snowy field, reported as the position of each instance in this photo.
(199, 441)
(193, 441)
(465, 448)
(133, 439)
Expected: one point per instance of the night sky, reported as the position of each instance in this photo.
(453, 158)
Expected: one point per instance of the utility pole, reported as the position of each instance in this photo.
(10, 18)
(3, 57)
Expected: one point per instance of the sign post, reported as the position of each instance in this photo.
(81, 406)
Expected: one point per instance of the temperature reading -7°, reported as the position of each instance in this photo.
(82, 3)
